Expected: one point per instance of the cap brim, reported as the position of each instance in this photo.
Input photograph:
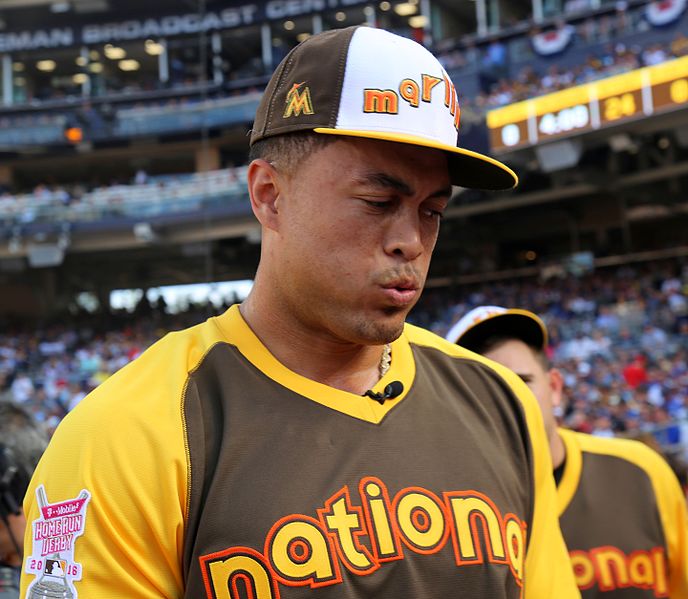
(519, 324)
(466, 168)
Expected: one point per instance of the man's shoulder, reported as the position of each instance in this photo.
(629, 450)
(504, 384)
(153, 379)
(423, 338)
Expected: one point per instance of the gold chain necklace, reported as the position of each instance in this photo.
(385, 360)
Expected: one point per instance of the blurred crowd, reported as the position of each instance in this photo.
(51, 368)
(614, 59)
(619, 336)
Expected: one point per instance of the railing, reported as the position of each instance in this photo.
(186, 117)
(170, 196)
(32, 131)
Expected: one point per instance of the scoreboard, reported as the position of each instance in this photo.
(633, 95)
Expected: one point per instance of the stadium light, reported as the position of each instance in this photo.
(46, 65)
(154, 48)
(114, 53)
(80, 78)
(289, 25)
(96, 67)
(405, 9)
(18, 67)
(302, 37)
(81, 61)
(129, 65)
(94, 55)
(418, 21)
(385, 5)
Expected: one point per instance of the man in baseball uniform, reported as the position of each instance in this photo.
(621, 509)
(309, 443)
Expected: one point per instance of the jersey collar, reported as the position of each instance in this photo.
(237, 332)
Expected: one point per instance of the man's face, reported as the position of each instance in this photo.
(357, 224)
(519, 357)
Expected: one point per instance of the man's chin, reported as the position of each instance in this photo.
(389, 336)
(386, 330)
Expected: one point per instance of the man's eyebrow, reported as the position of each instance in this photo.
(385, 181)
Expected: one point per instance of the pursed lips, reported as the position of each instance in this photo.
(402, 284)
(400, 292)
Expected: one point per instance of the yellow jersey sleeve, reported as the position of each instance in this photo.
(107, 503)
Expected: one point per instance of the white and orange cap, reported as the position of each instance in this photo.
(367, 82)
(488, 321)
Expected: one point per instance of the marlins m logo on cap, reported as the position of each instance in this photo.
(371, 83)
(298, 101)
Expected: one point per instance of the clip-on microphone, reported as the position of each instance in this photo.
(394, 389)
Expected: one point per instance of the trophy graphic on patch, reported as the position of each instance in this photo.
(52, 557)
(53, 583)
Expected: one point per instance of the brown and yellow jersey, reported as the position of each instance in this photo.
(206, 468)
(623, 517)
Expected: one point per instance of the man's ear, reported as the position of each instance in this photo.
(264, 190)
(556, 384)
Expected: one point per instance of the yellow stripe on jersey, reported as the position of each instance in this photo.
(572, 471)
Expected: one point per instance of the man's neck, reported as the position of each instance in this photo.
(315, 355)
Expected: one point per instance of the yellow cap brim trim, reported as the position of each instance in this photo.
(512, 312)
(493, 170)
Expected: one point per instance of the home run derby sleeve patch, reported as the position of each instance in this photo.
(55, 532)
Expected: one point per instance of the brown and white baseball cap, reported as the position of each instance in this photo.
(484, 322)
(367, 82)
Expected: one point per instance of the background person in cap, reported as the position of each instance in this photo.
(622, 511)
(307, 443)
